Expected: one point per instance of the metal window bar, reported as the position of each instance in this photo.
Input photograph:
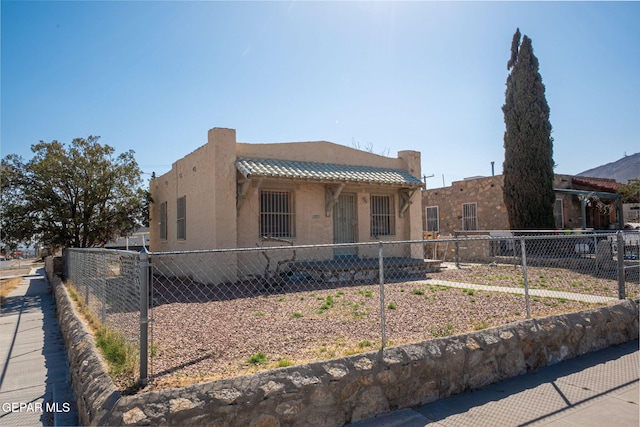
(277, 217)
(432, 218)
(382, 215)
(469, 216)
(181, 218)
(163, 221)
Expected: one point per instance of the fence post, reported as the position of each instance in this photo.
(144, 316)
(65, 264)
(103, 276)
(620, 245)
(86, 273)
(381, 275)
(526, 278)
(457, 249)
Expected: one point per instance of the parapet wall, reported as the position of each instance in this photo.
(339, 391)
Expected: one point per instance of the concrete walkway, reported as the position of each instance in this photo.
(594, 390)
(34, 372)
(520, 291)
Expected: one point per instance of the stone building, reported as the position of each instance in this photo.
(477, 204)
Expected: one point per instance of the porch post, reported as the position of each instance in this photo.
(619, 213)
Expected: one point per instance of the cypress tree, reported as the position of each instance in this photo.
(528, 159)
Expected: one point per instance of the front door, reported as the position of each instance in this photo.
(344, 225)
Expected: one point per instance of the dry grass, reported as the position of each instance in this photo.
(118, 352)
(93, 325)
(6, 286)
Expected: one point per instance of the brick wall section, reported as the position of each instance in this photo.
(335, 392)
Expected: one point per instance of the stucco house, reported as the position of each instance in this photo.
(228, 194)
(477, 204)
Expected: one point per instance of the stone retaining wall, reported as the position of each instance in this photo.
(339, 391)
(95, 392)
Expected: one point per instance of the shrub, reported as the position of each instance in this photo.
(258, 359)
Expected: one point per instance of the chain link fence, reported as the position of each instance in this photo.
(107, 283)
(596, 264)
(220, 313)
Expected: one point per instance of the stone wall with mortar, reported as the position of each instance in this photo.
(339, 391)
(95, 392)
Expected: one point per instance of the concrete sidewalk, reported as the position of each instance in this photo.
(594, 390)
(34, 372)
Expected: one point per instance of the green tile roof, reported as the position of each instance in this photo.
(325, 172)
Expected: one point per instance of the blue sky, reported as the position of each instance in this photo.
(427, 76)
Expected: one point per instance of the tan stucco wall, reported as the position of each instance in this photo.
(209, 179)
(312, 225)
(319, 151)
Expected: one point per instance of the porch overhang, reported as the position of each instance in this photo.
(334, 176)
(327, 173)
(585, 195)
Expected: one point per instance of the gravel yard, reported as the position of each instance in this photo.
(604, 283)
(198, 341)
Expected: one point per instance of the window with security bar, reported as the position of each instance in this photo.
(163, 221)
(469, 216)
(432, 218)
(383, 218)
(182, 218)
(558, 213)
(277, 215)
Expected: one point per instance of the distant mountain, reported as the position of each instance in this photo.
(621, 170)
